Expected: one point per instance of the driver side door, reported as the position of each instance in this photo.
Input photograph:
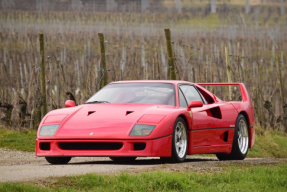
(206, 131)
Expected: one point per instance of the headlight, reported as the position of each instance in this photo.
(142, 130)
(48, 130)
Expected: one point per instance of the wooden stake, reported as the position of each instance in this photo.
(157, 63)
(283, 105)
(103, 66)
(228, 71)
(171, 67)
(58, 85)
(43, 78)
(281, 83)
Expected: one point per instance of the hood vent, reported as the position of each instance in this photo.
(91, 112)
(128, 112)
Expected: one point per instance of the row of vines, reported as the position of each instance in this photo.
(136, 49)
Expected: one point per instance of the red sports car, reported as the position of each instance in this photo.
(166, 119)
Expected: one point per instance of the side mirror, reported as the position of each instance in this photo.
(70, 103)
(194, 104)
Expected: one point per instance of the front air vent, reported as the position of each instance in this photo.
(91, 112)
(128, 112)
(89, 146)
(45, 146)
(139, 146)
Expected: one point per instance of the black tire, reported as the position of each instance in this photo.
(58, 160)
(240, 141)
(178, 155)
(123, 159)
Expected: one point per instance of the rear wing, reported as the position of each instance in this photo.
(243, 90)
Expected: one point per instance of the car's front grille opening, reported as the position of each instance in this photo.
(45, 146)
(90, 146)
(139, 146)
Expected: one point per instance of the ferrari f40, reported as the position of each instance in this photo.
(166, 119)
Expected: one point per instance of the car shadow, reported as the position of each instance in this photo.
(141, 161)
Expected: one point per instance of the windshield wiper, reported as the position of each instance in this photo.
(96, 102)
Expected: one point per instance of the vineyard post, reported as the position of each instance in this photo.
(153, 68)
(43, 81)
(134, 67)
(58, 85)
(193, 75)
(103, 67)
(171, 66)
(256, 106)
(157, 63)
(228, 70)
(283, 105)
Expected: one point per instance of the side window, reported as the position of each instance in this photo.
(182, 101)
(190, 93)
(206, 97)
(204, 101)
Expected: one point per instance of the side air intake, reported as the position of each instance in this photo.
(214, 112)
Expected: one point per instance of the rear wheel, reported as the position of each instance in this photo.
(58, 160)
(240, 141)
(123, 159)
(179, 142)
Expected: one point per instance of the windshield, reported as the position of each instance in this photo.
(151, 93)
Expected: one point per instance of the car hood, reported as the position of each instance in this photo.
(103, 121)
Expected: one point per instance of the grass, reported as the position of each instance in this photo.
(232, 178)
(267, 143)
(23, 141)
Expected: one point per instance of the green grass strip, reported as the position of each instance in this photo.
(23, 141)
(246, 178)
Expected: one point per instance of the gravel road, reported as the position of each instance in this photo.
(21, 166)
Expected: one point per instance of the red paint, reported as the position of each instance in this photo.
(70, 103)
(153, 148)
(244, 106)
(194, 104)
(111, 123)
(151, 119)
(54, 119)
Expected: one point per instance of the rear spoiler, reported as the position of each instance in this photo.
(243, 90)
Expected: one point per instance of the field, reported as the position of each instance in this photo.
(136, 49)
(255, 36)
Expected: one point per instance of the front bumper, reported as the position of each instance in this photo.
(160, 147)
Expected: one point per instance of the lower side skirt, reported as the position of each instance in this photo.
(211, 141)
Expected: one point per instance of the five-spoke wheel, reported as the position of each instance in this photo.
(240, 141)
(179, 142)
(180, 139)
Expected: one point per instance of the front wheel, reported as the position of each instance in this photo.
(240, 141)
(179, 142)
(58, 160)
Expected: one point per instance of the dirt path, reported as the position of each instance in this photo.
(24, 166)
